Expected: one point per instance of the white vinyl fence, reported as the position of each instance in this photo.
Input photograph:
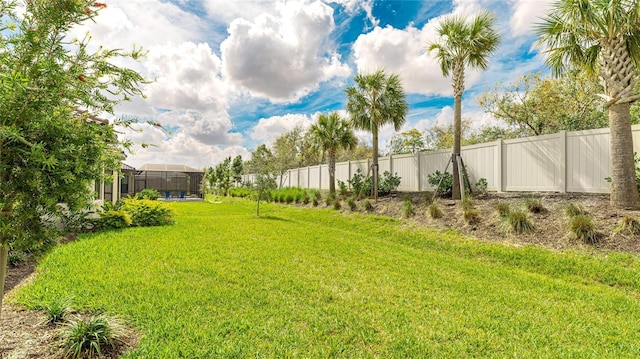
(564, 162)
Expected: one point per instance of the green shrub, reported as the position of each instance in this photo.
(434, 211)
(241, 192)
(148, 193)
(572, 210)
(306, 198)
(336, 204)
(362, 187)
(388, 184)
(407, 208)
(90, 338)
(113, 220)
(16, 256)
(481, 186)
(352, 204)
(146, 213)
(519, 222)
(503, 208)
(314, 202)
(583, 227)
(342, 189)
(628, 224)
(446, 183)
(534, 204)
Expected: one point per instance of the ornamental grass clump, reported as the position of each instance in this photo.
(337, 205)
(469, 212)
(407, 208)
(572, 210)
(91, 337)
(534, 205)
(629, 225)
(583, 228)
(503, 208)
(56, 310)
(519, 221)
(434, 211)
(351, 203)
(367, 206)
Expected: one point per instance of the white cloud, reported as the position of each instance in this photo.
(285, 56)
(526, 13)
(226, 11)
(268, 129)
(143, 22)
(403, 52)
(206, 128)
(187, 77)
(176, 149)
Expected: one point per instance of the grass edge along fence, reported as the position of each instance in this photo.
(576, 161)
(317, 283)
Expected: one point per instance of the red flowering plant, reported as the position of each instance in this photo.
(49, 152)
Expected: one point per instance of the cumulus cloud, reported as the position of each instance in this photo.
(206, 128)
(187, 77)
(142, 22)
(176, 149)
(282, 57)
(526, 14)
(268, 129)
(403, 52)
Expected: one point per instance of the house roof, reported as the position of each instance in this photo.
(167, 168)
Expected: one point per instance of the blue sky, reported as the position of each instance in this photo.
(230, 75)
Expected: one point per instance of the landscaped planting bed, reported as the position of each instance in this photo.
(299, 282)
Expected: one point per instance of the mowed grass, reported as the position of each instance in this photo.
(317, 283)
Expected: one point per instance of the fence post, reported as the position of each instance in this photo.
(391, 164)
(348, 171)
(499, 165)
(562, 162)
(418, 172)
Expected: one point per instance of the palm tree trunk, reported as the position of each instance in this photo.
(457, 133)
(4, 254)
(332, 171)
(624, 188)
(374, 183)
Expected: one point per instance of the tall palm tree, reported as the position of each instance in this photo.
(463, 43)
(332, 133)
(602, 37)
(376, 100)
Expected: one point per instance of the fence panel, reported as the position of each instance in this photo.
(480, 162)
(342, 172)
(588, 156)
(324, 177)
(531, 164)
(314, 177)
(405, 166)
(431, 162)
(567, 161)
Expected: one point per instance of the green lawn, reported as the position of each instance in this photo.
(318, 283)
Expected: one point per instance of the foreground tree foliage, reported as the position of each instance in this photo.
(602, 38)
(463, 43)
(50, 151)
